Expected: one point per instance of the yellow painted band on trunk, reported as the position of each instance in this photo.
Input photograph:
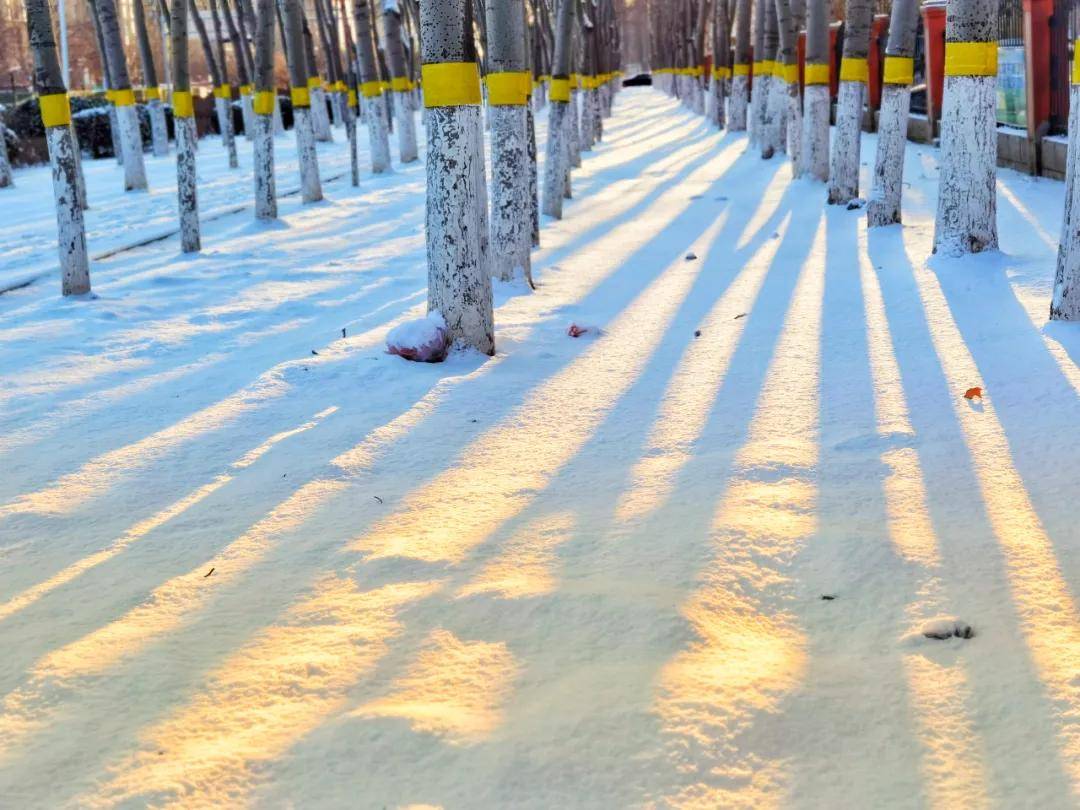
(55, 110)
(400, 84)
(899, 70)
(371, 89)
(123, 98)
(507, 88)
(560, 90)
(300, 96)
(152, 94)
(352, 97)
(451, 84)
(741, 69)
(816, 74)
(791, 73)
(971, 59)
(721, 72)
(246, 89)
(223, 91)
(314, 83)
(263, 103)
(1076, 63)
(768, 67)
(853, 70)
(182, 105)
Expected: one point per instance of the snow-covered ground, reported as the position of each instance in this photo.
(247, 558)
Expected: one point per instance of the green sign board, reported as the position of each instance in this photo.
(1011, 86)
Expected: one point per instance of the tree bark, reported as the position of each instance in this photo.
(967, 198)
(159, 135)
(371, 87)
(844, 161)
(557, 165)
(310, 183)
(1065, 304)
(123, 98)
(400, 85)
(883, 207)
(263, 107)
(243, 68)
(459, 281)
(814, 155)
(56, 117)
(186, 184)
(770, 125)
(511, 220)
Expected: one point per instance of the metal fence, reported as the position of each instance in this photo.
(1010, 22)
(918, 83)
(1064, 28)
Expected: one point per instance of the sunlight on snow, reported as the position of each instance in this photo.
(144, 527)
(264, 699)
(693, 388)
(1043, 601)
(751, 654)
(455, 689)
(939, 696)
(526, 564)
(502, 471)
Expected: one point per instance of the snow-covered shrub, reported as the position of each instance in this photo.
(424, 340)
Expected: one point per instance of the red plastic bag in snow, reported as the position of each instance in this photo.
(424, 340)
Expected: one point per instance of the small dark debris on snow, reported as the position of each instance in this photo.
(696, 196)
(691, 256)
(343, 331)
(740, 315)
(474, 421)
(376, 497)
(828, 597)
(856, 204)
(576, 331)
(720, 199)
(208, 573)
(697, 333)
(314, 352)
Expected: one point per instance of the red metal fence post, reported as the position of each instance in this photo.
(933, 12)
(1037, 65)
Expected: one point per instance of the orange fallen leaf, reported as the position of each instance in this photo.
(971, 393)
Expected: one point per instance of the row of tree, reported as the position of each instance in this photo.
(453, 57)
(755, 85)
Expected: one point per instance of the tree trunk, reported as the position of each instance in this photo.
(1065, 304)
(967, 198)
(320, 120)
(511, 220)
(159, 135)
(371, 87)
(56, 117)
(184, 120)
(761, 75)
(310, 184)
(107, 83)
(400, 84)
(814, 155)
(220, 86)
(788, 112)
(6, 179)
(844, 161)
(883, 207)
(123, 98)
(557, 165)
(263, 107)
(770, 124)
(459, 282)
(243, 73)
(740, 70)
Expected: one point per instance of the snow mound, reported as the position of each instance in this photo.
(941, 628)
(424, 340)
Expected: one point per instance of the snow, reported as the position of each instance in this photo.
(246, 560)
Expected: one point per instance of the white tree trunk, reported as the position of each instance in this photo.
(115, 134)
(556, 166)
(814, 159)
(74, 262)
(534, 191)
(459, 285)
(575, 130)
(406, 126)
(186, 185)
(6, 178)
(883, 206)
(265, 191)
(768, 130)
(320, 118)
(224, 115)
(159, 133)
(793, 122)
(967, 197)
(134, 167)
(279, 125)
(844, 161)
(740, 97)
(378, 137)
(760, 108)
(1065, 304)
(350, 136)
(247, 109)
(511, 214)
(310, 183)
